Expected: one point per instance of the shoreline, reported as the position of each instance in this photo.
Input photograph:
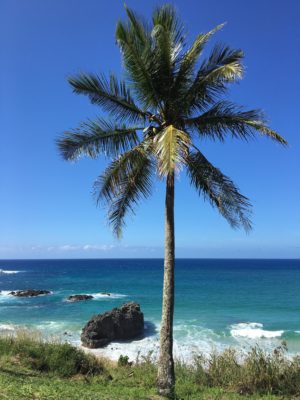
(184, 349)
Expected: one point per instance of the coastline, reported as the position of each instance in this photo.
(219, 303)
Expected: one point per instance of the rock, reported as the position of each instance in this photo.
(29, 293)
(79, 297)
(124, 323)
(105, 294)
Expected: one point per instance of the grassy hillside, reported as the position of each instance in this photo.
(33, 369)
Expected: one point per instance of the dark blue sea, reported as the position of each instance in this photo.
(219, 303)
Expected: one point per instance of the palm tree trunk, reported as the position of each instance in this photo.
(166, 376)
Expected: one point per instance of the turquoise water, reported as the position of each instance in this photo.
(218, 302)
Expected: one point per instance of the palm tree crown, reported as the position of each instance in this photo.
(160, 114)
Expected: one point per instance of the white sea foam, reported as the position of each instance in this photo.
(5, 292)
(8, 272)
(150, 345)
(189, 340)
(133, 349)
(7, 327)
(5, 296)
(101, 296)
(52, 325)
(253, 330)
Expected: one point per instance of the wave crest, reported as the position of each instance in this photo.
(253, 330)
(98, 296)
(8, 272)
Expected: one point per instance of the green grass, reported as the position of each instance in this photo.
(31, 368)
(62, 359)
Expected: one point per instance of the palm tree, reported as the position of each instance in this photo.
(159, 114)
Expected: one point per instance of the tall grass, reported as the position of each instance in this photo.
(29, 349)
(257, 371)
(254, 373)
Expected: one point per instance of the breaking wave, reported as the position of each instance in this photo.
(101, 296)
(8, 272)
(253, 330)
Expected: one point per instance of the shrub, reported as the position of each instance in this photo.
(123, 361)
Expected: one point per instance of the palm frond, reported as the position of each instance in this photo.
(166, 17)
(97, 137)
(113, 96)
(223, 63)
(223, 66)
(162, 60)
(138, 61)
(122, 185)
(139, 26)
(226, 117)
(219, 190)
(190, 57)
(168, 40)
(170, 146)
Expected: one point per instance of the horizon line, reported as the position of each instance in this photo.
(148, 258)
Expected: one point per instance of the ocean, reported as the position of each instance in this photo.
(219, 303)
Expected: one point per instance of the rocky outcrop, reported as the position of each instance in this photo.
(29, 293)
(80, 297)
(124, 323)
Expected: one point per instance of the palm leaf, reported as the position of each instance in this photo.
(138, 60)
(113, 96)
(170, 146)
(190, 58)
(223, 66)
(226, 117)
(219, 190)
(97, 137)
(166, 16)
(123, 184)
(163, 71)
(223, 63)
(139, 26)
(168, 38)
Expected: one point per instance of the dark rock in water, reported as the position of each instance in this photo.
(79, 297)
(126, 322)
(105, 294)
(29, 293)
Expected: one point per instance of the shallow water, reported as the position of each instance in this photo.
(218, 302)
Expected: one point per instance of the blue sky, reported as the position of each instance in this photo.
(46, 207)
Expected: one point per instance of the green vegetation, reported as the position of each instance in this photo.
(31, 368)
(28, 349)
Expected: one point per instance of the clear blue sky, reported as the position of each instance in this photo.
(46, 207)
